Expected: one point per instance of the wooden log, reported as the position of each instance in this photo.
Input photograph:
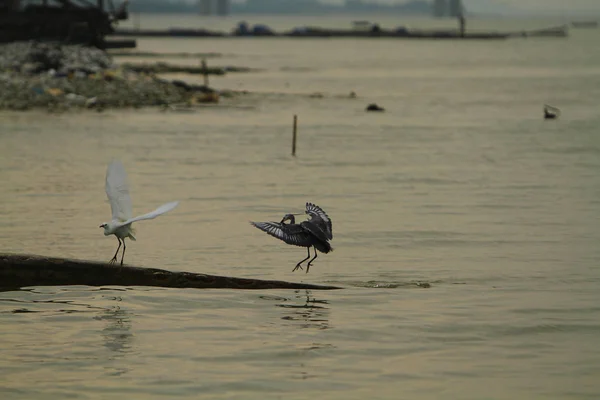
(164, 68)
(18, 270)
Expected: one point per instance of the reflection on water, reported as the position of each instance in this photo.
(117, 333)
(388, 284)
(47, 305)
(303, 309)
(53, 303)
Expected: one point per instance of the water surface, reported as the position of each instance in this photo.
(460, 183)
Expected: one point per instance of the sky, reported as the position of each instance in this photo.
(539, 5)
(519, 6)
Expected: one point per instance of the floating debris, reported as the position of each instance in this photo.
(550, 112)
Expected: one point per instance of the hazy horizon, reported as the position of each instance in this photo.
(498, 8)
(516, 6)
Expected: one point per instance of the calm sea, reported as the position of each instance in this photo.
(459, 183)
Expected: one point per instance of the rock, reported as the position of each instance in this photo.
(34, 57)
(75, 99)
(91, 102)
(374, 107)
(184, 85)
(58, 77)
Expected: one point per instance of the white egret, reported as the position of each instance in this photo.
(117, 190)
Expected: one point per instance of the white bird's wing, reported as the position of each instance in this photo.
(117, 191)
(165, 208)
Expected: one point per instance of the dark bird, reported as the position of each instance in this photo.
(315, 232)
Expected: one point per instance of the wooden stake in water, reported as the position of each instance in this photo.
(294, 136)
(205, 72)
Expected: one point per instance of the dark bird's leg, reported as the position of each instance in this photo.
(114, 259)
(313, 259)
(307, 257)
(123, 255)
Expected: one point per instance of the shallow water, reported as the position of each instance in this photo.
(460, 183)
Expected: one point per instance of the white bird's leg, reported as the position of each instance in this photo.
(114, 259)
(313, 259)
(123, 255)
(307, 257)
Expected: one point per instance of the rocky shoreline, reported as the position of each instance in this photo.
(61, 77)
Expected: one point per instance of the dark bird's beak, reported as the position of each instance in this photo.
(287, 218)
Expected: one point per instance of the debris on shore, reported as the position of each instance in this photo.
(61, 77)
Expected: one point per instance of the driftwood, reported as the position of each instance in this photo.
(18, 271)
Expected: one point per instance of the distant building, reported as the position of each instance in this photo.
(223, 7)
(440, 8)
(456, 8)
(207, 6)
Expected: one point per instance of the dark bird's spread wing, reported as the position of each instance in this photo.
(289, 233)
(320, 218)
(315, 230)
